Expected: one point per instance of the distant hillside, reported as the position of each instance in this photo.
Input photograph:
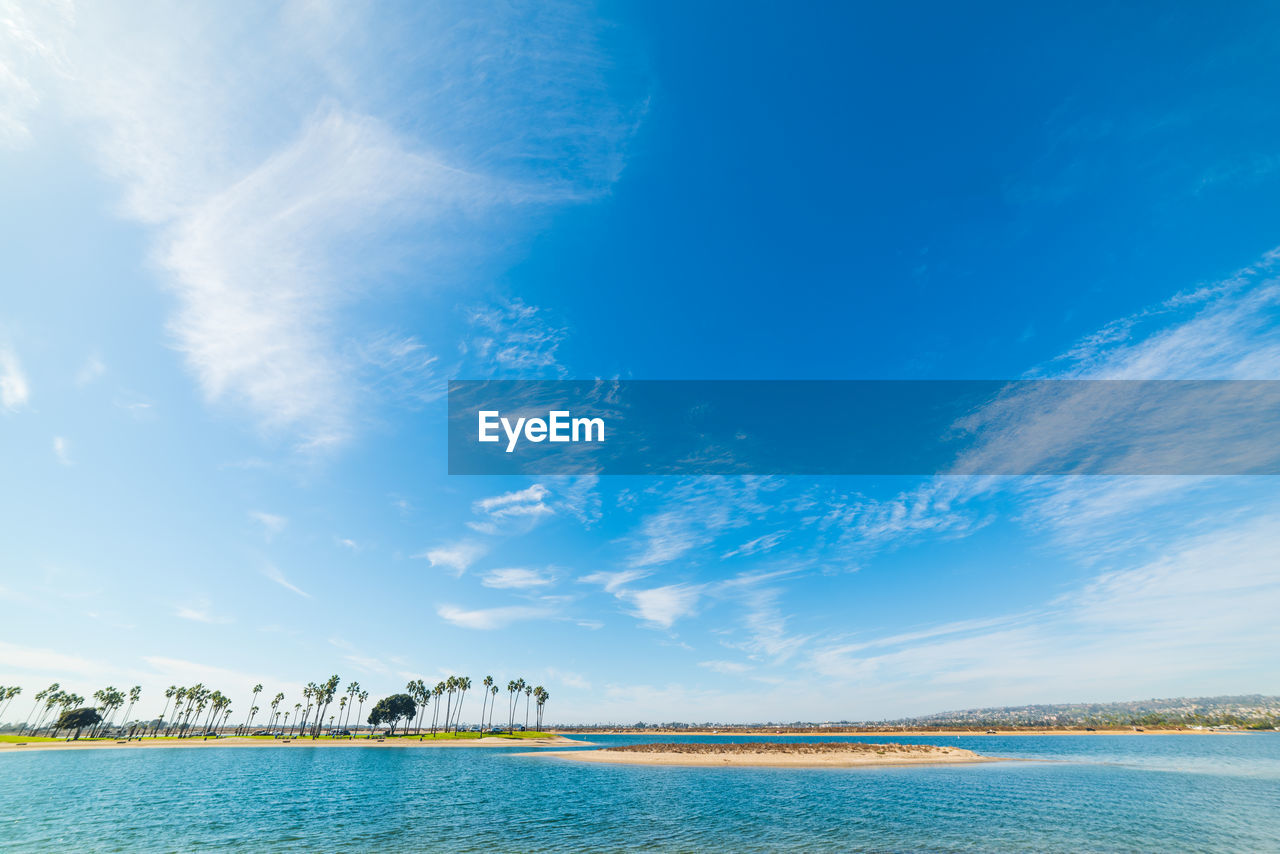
(1248, 710)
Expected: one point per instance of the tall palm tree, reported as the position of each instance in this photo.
(326, 695)
(257, 689)
(464, 685)
(353, 688)
(528, 692)
(342, 708)
(9, 693)
(168, 696)
(484, 698)
(286, 723)
(512, 687)
(297, 712)
(135, 693)
(275, 708)
(411, 688)
(362, 696)
(493, 705)
(543, 696)
(40, 697)
(435, 713)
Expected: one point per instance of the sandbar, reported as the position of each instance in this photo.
(775, 755)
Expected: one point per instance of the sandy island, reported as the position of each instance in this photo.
(236, 741)
(775, 755)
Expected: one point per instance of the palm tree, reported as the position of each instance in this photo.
(342, 707)
(134, 694)
(179, 697)
(297, 711)
(353, 688)
(168, 696)
(40, 695)
(275, 708)
(307, 693)
(541, 695)
(464, 685)
(435, 713)
(325, 696)
(493, 705)
(528, 692)
(286, 723)
(9, 694)
(512, 688)
(257, 689)
(411, 688)
(362, 696)
(484, 698)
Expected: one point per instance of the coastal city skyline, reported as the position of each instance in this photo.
(244, 255)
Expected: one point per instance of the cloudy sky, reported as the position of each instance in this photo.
(243, 249)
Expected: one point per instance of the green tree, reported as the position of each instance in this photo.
(389, 710)
(79, 719)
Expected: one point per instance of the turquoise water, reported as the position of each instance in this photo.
(1100, 793)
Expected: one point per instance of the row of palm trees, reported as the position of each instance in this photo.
(198, 709)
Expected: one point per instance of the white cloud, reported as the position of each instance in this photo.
(514, 340)
(456, 556)
(515, 578)
(273, 573)
(264, 153)
(612, 582)
(14, 391)
(491, 618)
(662, 606)
(512, 512)
(726, 667)
(62, 450)
(1199, 615)
(272, 523)
(92, 369)
(200, 612)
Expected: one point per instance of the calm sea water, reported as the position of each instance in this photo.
(1102, 793)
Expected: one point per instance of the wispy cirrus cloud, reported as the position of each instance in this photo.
(515, 578)
(14, 390)
(273, 573)
(257, 223)
(201, 611)
(491, 618)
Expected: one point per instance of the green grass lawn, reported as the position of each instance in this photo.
(10, 739)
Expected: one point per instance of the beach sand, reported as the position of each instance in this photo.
(238, 741)
(776, 755)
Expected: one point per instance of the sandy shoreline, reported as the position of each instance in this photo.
(235, 741)
(778, 755)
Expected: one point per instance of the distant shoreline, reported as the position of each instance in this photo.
(893, 733)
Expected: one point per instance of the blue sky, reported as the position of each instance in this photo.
(244, 252)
